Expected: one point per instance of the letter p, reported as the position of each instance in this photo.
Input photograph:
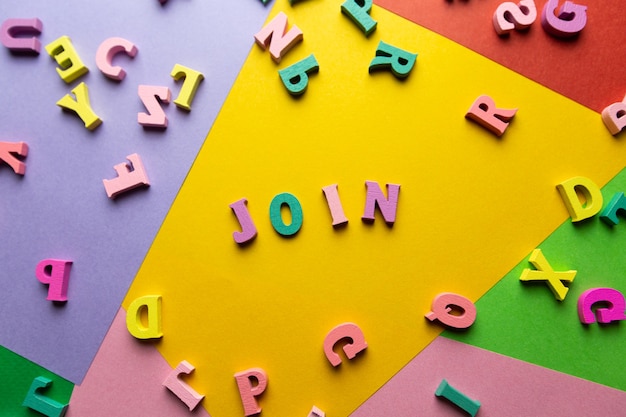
(55, 273)
(251, 384)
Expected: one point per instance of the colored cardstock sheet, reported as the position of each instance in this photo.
(471, 205)
(16, 377)
(126, 379)
(59, 208)
(504, 387)
(587, 68)
(525, 321)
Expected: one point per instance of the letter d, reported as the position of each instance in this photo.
(133, 317)
(589, 190)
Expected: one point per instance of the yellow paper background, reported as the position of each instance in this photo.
(471, 206)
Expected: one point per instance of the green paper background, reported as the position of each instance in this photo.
(525, 321)
(17, 375)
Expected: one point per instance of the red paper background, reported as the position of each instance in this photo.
(577, 68)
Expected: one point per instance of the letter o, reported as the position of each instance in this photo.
(296, 214)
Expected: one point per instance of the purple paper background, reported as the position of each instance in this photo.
(59, 209)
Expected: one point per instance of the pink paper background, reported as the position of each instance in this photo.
(126, 376)
(504, 387)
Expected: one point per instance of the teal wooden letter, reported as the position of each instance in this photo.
(296, 214)
(358, 11)
(459, 399)
(617, 204)
(387, 56)
(44, 405)
(296, 76)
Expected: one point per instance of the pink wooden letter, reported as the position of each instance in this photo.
(615, 311)
(183, 391)
(249, 390)
(107, 50)
(485, 113)
(149, 95)
(334, 204)
(276, 36)
(344, 331)
(55, 273)
(509, 16)
(129, 176)
(248, 229)
(7, 151)
(375, 197)
(316, 412)
(570, 19)
(441, 309)
(12, 27)
(614, 117)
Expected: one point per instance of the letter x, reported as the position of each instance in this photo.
(544, 272)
